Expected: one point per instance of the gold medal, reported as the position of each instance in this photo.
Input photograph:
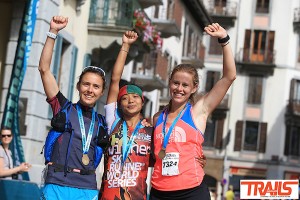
(162, 153)
(85, 159)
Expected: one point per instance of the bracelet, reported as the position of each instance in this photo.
(123, 50)
(223, 45)
(224, 40)
(51, 35)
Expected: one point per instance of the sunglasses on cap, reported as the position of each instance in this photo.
(94, 68)
(5, 136)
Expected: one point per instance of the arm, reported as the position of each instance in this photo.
(50, 86)
(212, 99)
(129, 37)
(8, 172)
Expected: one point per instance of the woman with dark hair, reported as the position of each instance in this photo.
(127, 157)
(76, 153)
(179, 128)
(7, 170)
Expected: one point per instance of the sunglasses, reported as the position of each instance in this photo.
(6, 136)
(94, 68)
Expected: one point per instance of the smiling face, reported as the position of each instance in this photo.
(183, 83)
(181, 87)
(131, 104)
(6, 136)
(90, 88)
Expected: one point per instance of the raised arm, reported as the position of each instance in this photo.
(50, 85)
(212, 99)
(129, 37)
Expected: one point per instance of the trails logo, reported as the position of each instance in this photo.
(269, 189)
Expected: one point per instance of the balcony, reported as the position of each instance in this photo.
(149, 74)
(224, 14)
(147, 3)
(166, 22)
(296, 19)
(112, 16)
(256, 61)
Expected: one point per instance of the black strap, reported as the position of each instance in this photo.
(61, 168)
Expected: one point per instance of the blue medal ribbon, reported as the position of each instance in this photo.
(126, 147)
(85, 142)
(167, 136)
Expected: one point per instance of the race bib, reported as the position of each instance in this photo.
(170, 164)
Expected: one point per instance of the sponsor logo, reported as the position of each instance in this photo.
(269, 189)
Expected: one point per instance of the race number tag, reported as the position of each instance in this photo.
(170, 164)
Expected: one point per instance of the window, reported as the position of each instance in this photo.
(255, 89)
(250, 136)
(292, 141)
(211, 78)
(210, 132)
(258, 46)
(262, 6)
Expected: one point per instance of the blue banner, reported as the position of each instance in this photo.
(11, 111)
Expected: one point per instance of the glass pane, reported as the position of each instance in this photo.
(209, 135)
(251, 136)
(295, 139)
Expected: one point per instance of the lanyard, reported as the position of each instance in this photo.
(126, 147)
(85, 142)
(167, 136)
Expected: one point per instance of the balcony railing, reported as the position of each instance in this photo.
(112, 12)
(250, 55)
(229, 9)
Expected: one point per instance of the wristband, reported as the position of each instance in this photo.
(51, 35)
(224, 40)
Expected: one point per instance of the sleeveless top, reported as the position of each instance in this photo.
(74, 159)
(129, 183)
(186, 140)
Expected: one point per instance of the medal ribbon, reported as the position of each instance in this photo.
(126, 147)
(85, 142)
(167, 136)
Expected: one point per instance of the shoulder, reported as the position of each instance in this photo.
(155, 117)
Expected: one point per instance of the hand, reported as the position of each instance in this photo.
(129, 37)
(201, 160)
(215, 30)
(145, 123)
(24, 167)
(57, 23)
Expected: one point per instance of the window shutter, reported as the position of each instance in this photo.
(72, 72)
(219, 134)
(287, 140)
(247, 40)
(209, 81)
(263, 137)
(238, 135)
(270, 54)
(292, 89)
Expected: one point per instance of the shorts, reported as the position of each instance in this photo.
(53, 192)
(200, 192)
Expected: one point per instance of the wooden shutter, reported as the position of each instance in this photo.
(247, 40)
(292, 89)
(219, 134)
(270, 54)
(287, 140)
(262, 137)
(238, 135)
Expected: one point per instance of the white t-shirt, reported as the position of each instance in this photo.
(8, 162)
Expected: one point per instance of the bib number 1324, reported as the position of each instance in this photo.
(170, 164)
